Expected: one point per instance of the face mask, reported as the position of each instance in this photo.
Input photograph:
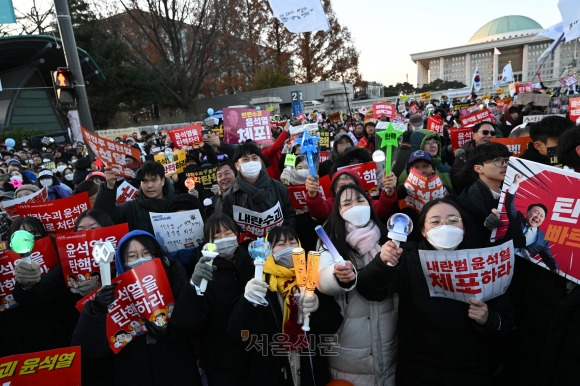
(61, 168)
(138, 262)
(73, 161)
(226, 246)
(45, 160)
(16, 178)
(46, 182)
(445, 237)
(251, 169)
(69, 177)
(303, 173)
(284, 257)
(358, 216)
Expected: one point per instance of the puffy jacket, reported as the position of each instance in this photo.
(418, 139)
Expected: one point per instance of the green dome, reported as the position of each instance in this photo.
(504, 27)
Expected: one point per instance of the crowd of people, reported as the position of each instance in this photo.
(372, 319)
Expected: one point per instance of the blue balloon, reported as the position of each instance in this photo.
(210, 111)
(258, 108)
(10, 142)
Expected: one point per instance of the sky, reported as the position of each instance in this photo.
(386, 33)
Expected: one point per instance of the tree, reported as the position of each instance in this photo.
(270, 77)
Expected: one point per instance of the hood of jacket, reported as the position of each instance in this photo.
(118, 258)
(418, 139)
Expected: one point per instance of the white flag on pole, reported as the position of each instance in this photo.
(300, 15)
(507, 75)
(496, 51)
(552, 32)
(570, 18)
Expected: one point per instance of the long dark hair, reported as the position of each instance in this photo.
(335, 226)
(98, 215)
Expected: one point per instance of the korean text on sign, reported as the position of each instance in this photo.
(256, 223)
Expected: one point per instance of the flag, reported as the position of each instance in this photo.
(496, 51)
(0, 84)
(7, 12)
(476, 81)
(549, 52)
(300, 15)
(552, 32)
(570, 18)
(507, 75)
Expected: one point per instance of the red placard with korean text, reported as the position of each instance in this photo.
(421, 190)
(468, 273)
(143, 292)
(57, 216)
(436, 124)
(557, 190)
(298, 194)
(388, 109)
(76, 252)
(10, 206)
(459, 136)
(111, 153)
(126, 192)
(574, 109)
(476, 117)
(517, 146)
(520, 88)
(368, 176)
(43, 253)
(188, 136)
(243, 124)
(61, 366)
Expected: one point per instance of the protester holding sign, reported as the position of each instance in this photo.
(441, 341)
(368, 335)
(55, 188)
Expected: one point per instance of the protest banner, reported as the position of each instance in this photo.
(76, 252)
(298, 194)
(323, 156)
(517, 146)
(258, 224)
(334, 117)
(61, 366)
(111, 153)
(172, 161)
(436, 124)
(421, 190)
(57, 216)
(324, 141)
(387, 109)
(475, 117)
(368, 176)
(10, 206)
(558, 234)
(459, 136)
(465, 274)
(178, 230)
(126, 192)
(187, 136)
(538, 118)
(520, 88)
(574, 109)
(569, 81)
(205, 175)
(536, 99)
(243, 124)
(43, 253)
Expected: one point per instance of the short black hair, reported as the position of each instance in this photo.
(98, 215)
(279, 232)
(551, 126)
(540, 205)
(486, 152)
(478, 125)
(230, 165)
(566, 150)
(247, 148)
(151, 168)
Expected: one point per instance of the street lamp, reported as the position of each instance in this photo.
(332, 104)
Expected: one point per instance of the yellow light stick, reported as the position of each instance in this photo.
(311, 279)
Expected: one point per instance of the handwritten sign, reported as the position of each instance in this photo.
(179, 230)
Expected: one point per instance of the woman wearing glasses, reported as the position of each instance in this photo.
(441, 341)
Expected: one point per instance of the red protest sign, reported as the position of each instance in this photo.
(187, 136)
(243, 124)
(517, 146)
(473, 118)
(435, 124)
(421, 190)
(384, 108)
(368, 176)
(574, 109)
(57, 216)
(111, 153)
(298, 194)
(520, 88)
(459, 136)
(76, 252)
(43, 253)
(10, 206)
(323, 156)
(61, 366)
(126, 192)
(143, 292)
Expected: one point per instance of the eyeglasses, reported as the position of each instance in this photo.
(436, 221)
(499, 162)
(135, 256)
(487, 132)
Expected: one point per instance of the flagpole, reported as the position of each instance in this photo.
(539, 68)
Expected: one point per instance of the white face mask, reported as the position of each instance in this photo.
(251, 169)
(61, 168)
(445, 237)
(46, 182)
(16, 178)
(226, 246)
(138, 262)
(358, 216)
(69, 177)
(284, 257)
(303, 173)
(73, 161)
(45, 160)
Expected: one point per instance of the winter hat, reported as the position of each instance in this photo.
(8, 195)
(45, 173)
(29, 187)
(13, 161)
(419, 155)
(95, 174)
(416, 120)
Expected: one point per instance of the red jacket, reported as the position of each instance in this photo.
(274, 152)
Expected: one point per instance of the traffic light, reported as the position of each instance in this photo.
(64, 86)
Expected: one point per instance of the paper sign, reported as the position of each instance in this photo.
(57, 216)
(61, 366)
(465, 274)
(258, 224)
(179, 230)
(574, 109)
(368, 176)
(111, 153)
(188, 136)
(538, 118)
(459, 136)
(476, 117)
(173, 162)
(10, 206)
(76, 252)
(517, 146)
(243, 124)
(126, 192)
(43, 253)
(387, 109)
(324, 141)
(536, 99)
(435, 124)
(569, 81)
(205, 175)
(298, 194)
(421, 190)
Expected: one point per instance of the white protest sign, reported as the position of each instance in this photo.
(178, 230)
(256, 223)
(301, 128)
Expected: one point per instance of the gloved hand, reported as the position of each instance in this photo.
(309, 303)
(88, 286)
(27, 275)
(193, 192)
(215, 189)
(255, 292)
(154, 330)
(203, 271)
(492, 221)
(104, 298)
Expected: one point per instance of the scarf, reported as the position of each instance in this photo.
(283, 281)
(292, 177)
(364, 240)
(258, 190)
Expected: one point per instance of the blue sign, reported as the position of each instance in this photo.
(297, 108)
(7, 12)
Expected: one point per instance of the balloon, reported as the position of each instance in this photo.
(210, 111)
(258, 108)
(10, 142)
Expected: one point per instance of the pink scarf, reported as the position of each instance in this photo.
(364, 240)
